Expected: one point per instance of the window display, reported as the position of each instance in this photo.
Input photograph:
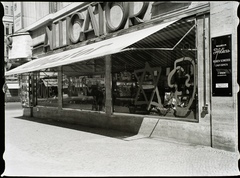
(181, 80)
(47, 89)
(84, 92)
(164, 91)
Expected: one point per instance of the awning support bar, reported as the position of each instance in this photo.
(184, 36)
(165, 49)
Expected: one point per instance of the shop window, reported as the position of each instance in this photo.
(158, 82)
(6, 10)
(164, 91)
(11, 10)
(47, 89)
(84, 86)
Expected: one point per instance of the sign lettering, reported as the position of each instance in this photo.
(221, 66)
(81, 27)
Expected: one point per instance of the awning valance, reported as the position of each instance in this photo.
(13, 85)
(95, 50)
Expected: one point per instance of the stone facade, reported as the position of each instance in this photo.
(224, 21)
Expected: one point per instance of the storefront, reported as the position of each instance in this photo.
(148, 68)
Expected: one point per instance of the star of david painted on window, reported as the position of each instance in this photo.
(141, 76)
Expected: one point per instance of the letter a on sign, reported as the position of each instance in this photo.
(48, 39)
(90, 18)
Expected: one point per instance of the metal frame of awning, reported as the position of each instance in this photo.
(165, 49)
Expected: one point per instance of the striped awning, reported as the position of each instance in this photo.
(13, 85)
(87, 52)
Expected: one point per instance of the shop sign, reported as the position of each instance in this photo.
(221, 66)
(20, 46)
(76, 27)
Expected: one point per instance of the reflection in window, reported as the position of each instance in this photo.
(84, 85)
(164, 91)
(84, 92)
(158, 82)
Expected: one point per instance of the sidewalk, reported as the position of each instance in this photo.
(43, 148)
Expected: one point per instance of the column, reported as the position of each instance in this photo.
(224, 21)
(60, 91)
(108, 84)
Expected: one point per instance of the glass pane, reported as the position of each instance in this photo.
(84, 86)
(158, 82)
(166, 91)
(47, 89)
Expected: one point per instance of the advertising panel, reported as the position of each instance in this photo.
(221, 66)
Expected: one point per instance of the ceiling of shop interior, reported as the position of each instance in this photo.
(135, 59)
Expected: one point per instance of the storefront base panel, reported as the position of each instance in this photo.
(224, 108)
(179, 131)
(87, 118)
(187, 132)
(27, 112)
(224, 124)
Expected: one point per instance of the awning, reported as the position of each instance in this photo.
(13, 85)
(95, 50)
(50, 82)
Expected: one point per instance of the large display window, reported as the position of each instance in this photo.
(84, 92)
(47, 88)
(158, 77)
(84, 85)
(154, 76)
(164, 91)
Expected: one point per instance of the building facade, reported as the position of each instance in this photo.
(159, 68)
(11, 81)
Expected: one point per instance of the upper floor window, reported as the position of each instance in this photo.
(11, 10)
(7, 29)
(56, 6)
(6, 9)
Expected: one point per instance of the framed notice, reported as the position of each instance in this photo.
(221, 66)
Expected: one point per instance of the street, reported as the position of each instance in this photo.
(34, 147)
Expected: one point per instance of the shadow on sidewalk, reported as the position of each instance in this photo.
(100, 131)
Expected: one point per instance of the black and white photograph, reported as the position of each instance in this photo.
(116, 89)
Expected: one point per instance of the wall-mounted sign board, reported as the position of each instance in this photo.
(222, 66)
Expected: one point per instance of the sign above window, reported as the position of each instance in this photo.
(94, 21)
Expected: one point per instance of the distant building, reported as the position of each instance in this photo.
(12, 93)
